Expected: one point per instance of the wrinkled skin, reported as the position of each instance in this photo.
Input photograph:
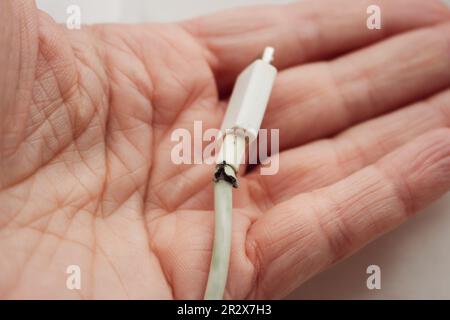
(86, 119)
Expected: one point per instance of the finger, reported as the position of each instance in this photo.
(304, 31)
(312, 231)
(321, 99)
(326, 161)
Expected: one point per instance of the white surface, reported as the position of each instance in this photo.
(414, 259)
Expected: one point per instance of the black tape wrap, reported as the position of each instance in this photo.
(226, 173)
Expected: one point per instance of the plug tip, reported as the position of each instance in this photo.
(268, 54)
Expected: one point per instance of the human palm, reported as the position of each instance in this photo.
(86, 176)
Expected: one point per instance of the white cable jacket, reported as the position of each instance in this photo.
(233, 149)
(222, 241)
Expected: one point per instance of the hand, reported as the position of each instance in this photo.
(86, 117)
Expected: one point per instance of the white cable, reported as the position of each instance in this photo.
(222, 244)
(240, 126)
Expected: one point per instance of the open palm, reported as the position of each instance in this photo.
(86, 117)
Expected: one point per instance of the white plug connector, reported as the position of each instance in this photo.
(246, 108)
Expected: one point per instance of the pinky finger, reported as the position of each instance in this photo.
(310, 232)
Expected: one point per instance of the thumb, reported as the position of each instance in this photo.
(18, 55)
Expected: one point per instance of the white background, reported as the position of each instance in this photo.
(414, 259)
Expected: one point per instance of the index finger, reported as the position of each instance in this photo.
(303, 32)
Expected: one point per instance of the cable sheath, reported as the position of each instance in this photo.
(218, 272)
